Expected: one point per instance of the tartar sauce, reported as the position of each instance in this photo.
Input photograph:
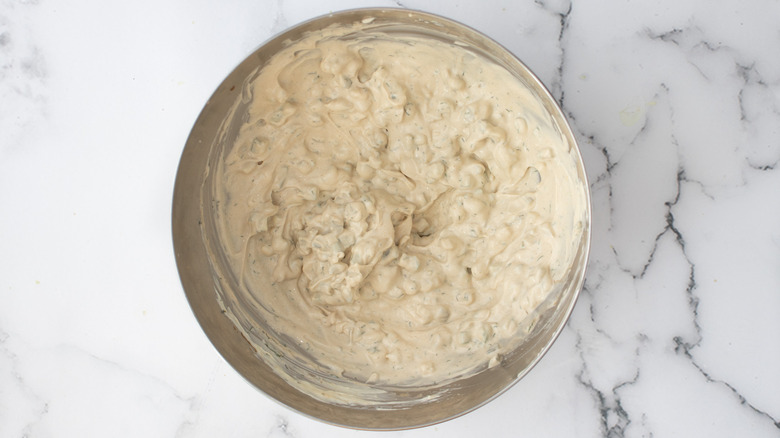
(395, 207)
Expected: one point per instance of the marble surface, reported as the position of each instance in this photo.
(676, 105)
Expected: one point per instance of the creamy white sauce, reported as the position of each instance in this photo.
(396, 207)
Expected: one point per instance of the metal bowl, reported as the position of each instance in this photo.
(201, 282)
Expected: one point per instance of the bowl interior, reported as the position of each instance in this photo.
(201, 277)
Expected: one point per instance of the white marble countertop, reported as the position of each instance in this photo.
(677, 108)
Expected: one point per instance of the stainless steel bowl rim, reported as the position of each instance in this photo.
(192, 261)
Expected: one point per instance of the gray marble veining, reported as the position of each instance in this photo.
(676, 106)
